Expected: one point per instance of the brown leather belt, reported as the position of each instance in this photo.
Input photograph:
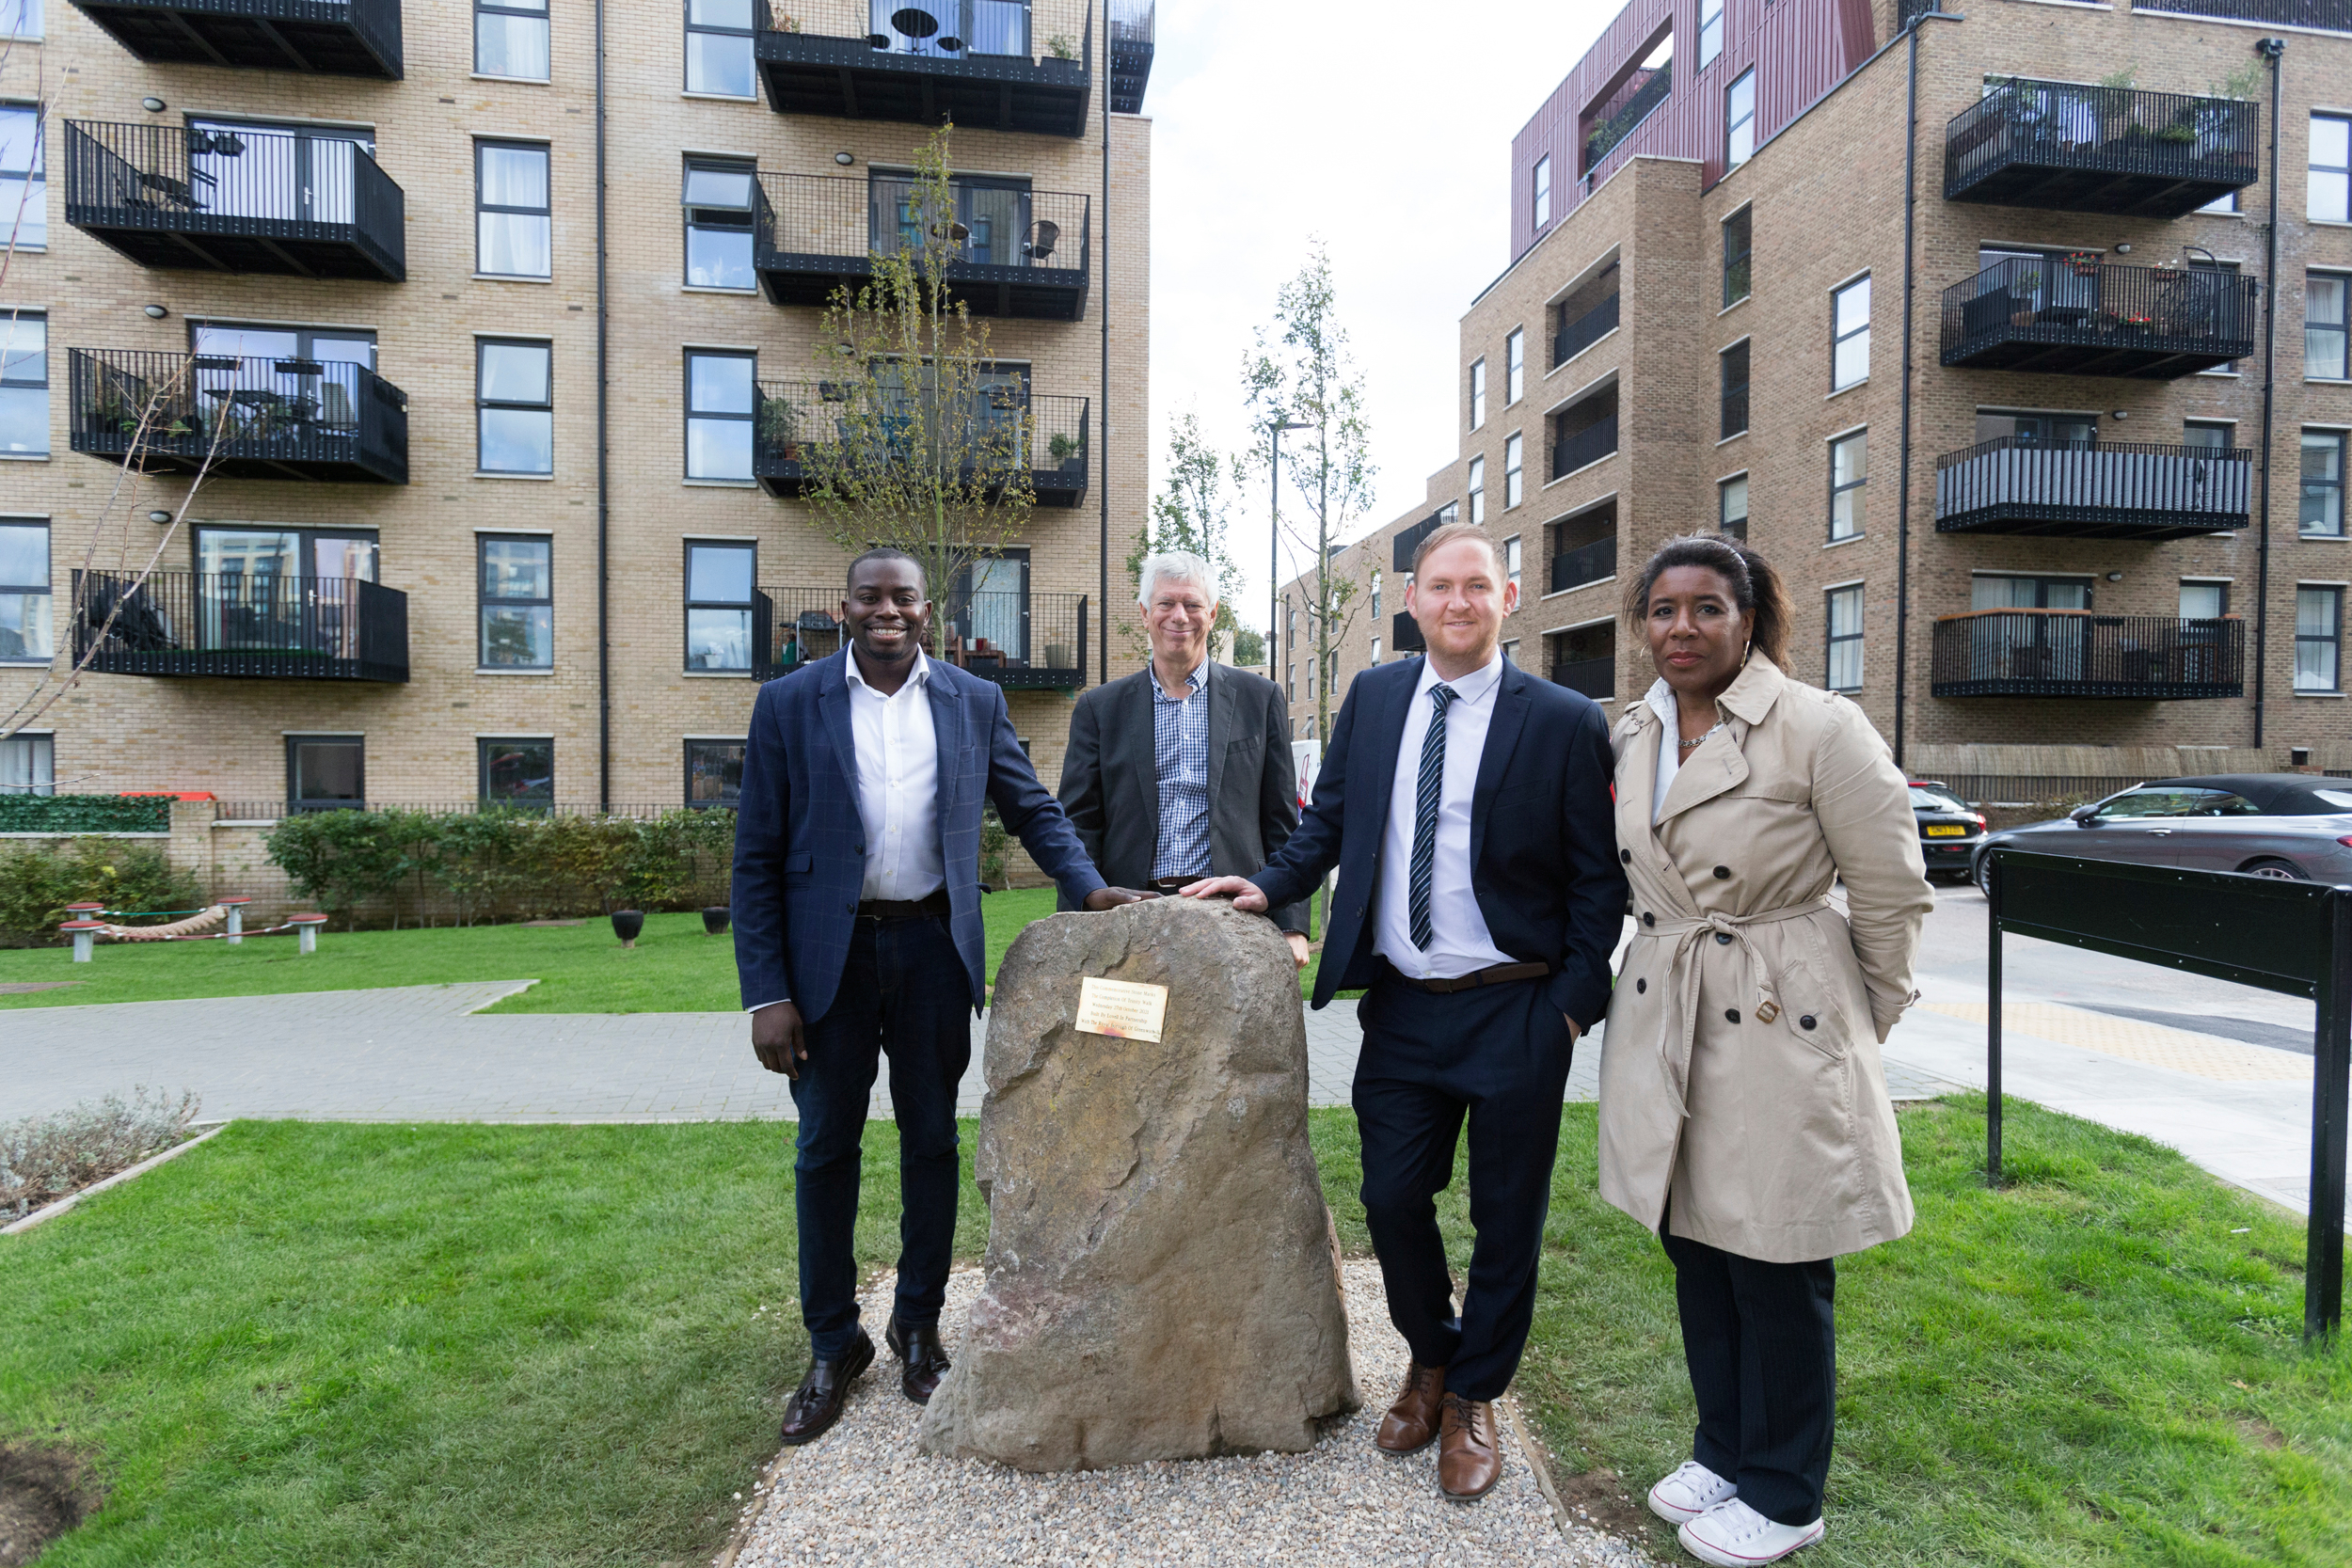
(1174, 884)
(903, 909)
(1501, 975)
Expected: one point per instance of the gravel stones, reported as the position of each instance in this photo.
(1162, 1279)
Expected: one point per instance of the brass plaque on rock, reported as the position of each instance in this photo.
(1122, 1010)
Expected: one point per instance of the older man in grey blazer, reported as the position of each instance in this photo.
(1183, 769)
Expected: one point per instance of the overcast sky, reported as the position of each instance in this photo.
(1383, 129)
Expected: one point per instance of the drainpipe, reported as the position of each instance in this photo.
(1103, 459)
(604, 467)
(1902, 461)
(2269, 48)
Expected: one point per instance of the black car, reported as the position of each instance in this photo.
(1949, 832)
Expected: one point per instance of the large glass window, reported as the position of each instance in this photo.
(719, 47)
(1735, 392)
(1710, 30)
(1477, 394)
(25, 384)
(1850, 334)
(1511, 447)
(714, 773)
(718, 594)
(1844, 664)
(2207, 434)
(24, 187)
(24, 627)
(718, 202)
(1543, 190)
(2330, 187)
(325, 772)
(28, 765)
(1477, 490)
(2318, 633)
(510, 38)
(2003, 592)
(1514, 366)
(1738, 256)
(2203, 601)
(515, 390)
(1848, 471)
(2322, 513)
(2324, 336)
(514, 226)
(1740, 121)
(516, 771)
(20, 19)
(718, 402)
(1731, 506)
(517, 601)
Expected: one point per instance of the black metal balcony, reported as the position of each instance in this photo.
(1575, 337)
(240, 419)
(330, 38)
(248, 201)
(2095, 490)
(240, 626)
(1630, 105)
(1574, 449)
(1024, 254)
(2078, 318)
(2328, 16)
(2100, 149)
(1049, 431)
(1586, 563)
(1022, 641)
(2080, 653)
(1131, 25)
(928, 61)
(1405, 632)
(1596, 678)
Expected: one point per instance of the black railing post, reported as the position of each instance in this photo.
(1082, 639)
(2331, 1079)
(1993, 1020)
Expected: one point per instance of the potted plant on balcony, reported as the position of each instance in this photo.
(1061, 55)
(1067, 450)
(779, 427)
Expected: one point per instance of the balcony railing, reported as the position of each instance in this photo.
(249, 201)
(1590, 445)
(2100, 149)
(1023, 641)
(242, 418)
(2080, 653)
(2070, 318)
(2102, 490)
(1132, 26)
(1586, 563)
(1596, 678)
(990, 64)
(1629, 106)
(332, 38)
(1575, 337)
(1404, 633)
(1025, 253)
(1047, 433)
(2327, 16)
(240, 626)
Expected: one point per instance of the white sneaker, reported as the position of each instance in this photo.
(1691, 1490)
(1733, 1535)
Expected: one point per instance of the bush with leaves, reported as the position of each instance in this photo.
(42, 1158)
(37, 883)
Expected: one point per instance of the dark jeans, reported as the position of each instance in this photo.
(1499, 1055)
(1761, 1342)
(904, 991)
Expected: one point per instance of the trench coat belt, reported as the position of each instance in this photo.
(1682, 982)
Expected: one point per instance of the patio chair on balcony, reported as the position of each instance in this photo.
(1045, 235)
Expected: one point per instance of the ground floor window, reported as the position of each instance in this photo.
(517, 770)
(325, 772)
(714, 773)
(24, 623)
(1845, 640)
(2318, 633)
(28, 765)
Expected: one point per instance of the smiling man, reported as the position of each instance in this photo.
(857, 931)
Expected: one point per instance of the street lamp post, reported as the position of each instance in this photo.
(1274, 539)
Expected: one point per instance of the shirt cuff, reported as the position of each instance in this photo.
(756, 1006)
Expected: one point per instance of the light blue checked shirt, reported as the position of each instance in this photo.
(1180, 754)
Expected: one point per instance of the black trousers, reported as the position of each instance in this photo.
(1761, 1342)
(1498, 1055)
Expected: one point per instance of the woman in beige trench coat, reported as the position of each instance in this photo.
(1743, 1107)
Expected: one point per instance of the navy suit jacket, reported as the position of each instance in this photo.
(1542, 844)
(800, 846)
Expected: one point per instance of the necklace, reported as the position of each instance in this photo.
(1686, 745)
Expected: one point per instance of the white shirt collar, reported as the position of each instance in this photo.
(920, 675)
(1469, 687)
(1661, 701)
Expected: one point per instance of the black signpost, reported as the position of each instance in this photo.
(2290, 937)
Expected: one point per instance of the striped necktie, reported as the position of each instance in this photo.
(1425, 814)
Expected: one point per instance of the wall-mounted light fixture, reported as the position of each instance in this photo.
(2123, 247)
(156, 313)
(844, 159)
(159, 517)
(152, 106)
(2119, 414)
(2115, 577)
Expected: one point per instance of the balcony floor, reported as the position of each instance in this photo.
(2028, 520)
(2048, 349)
(210, 243)
(2071, 187)
(808, 73)
(230, 463)
(267, 38)
(182, 663)
(1024, 293)
(2142, 691)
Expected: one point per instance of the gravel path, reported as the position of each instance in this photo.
(862, 1495)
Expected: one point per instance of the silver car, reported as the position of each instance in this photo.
(2290, 826)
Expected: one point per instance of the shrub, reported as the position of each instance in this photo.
(44, 1158)
(37, 883)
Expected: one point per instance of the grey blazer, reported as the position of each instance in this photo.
(1110, 780)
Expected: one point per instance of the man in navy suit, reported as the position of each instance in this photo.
(1467, 807)
(857, 931)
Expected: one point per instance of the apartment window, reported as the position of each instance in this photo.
(1849, 471)
(719, 595)
(1477, 491)
(1731, 507)
(1514, 365)
(516, 771)
(1735, 392)
(1710, 31)
(20, 19)
(1738, 256)
(2223, 204)
(2323, 482)
(2318, 631)
(2205, 434)
(28, 765)
(1511, 559)
(1543, 190)
(719, 414)
(718, 203)
(2324, 337)
(510, 38)
(1290, 682)
(1375, 650)
(1511, 448)
(25, 384)
(719, 47)
(24, 627)
(517, 601)
(2203, 601)
(1511, 649)
(2001, 591)
(516, 397)
(2330, 188)
(325, 772)
(1478, 394)
(1740, 121)
(23, 185)
(1376, 595)
(513, 228)
(1844, 664)
(715, 774)
(1849, 335)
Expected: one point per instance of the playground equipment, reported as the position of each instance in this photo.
(197, 926)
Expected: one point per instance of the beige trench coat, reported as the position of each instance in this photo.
(1741, 1075)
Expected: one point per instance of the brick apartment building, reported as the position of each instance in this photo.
(2055, 534)
(382, 250)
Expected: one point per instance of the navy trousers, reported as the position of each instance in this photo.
(1761, 1343)
(1499, 1056)
(904, 991)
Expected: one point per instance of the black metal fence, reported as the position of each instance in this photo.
(2080, 653)
(947, 29)
(2328, 16)
(240, 625)
(1129, 33)
(2108, 134)
(1003, 424)
(1575, 337)
(1596, 678)
(1587, 564)
(1627, 107)
(262, 417)
(1009, 636)
(804, 626)
(842, 216)
(263, 812)
(2120, 489)
(1573, 450)
(2025, 310)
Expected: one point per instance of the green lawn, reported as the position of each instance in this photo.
(500, 1345)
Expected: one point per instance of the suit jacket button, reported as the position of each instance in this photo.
(1723, 872)
(1649, 920)
(1625, 855)
(1722, 939)
(1732, 1013)
(1806, 1021)
(1641, 986)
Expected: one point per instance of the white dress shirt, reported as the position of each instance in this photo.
(898, 784)
(1661, 703)
(1460, 943)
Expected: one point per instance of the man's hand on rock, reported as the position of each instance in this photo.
(1299, 948)
(1241, 889)
(779, 1039)
(1111, 897)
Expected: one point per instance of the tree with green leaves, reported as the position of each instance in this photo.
(1189, 514)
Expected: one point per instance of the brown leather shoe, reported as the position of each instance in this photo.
(815, 1404)
(1412, 1420)
(1469, 1459)
(924, 1359)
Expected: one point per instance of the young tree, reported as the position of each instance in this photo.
(1305, 374)
(1188, 515)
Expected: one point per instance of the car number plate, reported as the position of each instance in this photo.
(1946, 833)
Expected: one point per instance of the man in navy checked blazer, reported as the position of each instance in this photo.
(857, 931)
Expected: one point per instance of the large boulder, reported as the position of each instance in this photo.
(1162, 1274)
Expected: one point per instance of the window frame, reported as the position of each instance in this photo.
(1708, 20)
(688, 207)
(747, 607)
(1375, 650)
(1477, 491)
(35, 174)
(1478, 394)
(1838, 340)
(2340, 329)
(1745, 262)
(2221, 585)
(1514, 365)
(482, 208)
(1835, 642)
(1723, 389)
(2332, 640)
(1513, 563)
(1514, 461)
(296, 802)
(520, 10)
(1850, 488)
(8, 320)
(482, 744)
(2314, 171)
(2342, 440)
(28, 10)
(1723, 503)
(1540, 192)
(483, 600)
(41, 748)
(749, 417)
(484, 403)
(687, 745)
(44, 591)
(1735, 122)
(686, 55)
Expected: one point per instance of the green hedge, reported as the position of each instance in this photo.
(66, 815)
(37, 883)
